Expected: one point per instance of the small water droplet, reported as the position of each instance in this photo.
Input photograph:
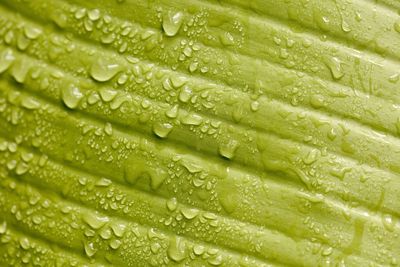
(107, 94)
(71, 96)
(172, 22)
(162, 130)
(103, 71)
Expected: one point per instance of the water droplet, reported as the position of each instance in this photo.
(94, 220)
(20, 70)
(158, 175)
(327, 251)
(185, 94)
(90, 250)
(108, 128)
(254, 106)
(172, 113)
(107, 94)
(198, 249)
(227, 150)
(189, 213)
(335, 67)
(115, 243)
(24, 243)
(94, 14)
(30, 102)
(22, 168)
(71, 96)
(103, 71)
(105, 233)
(3, 227)
(177, 249)
(118, 228)
(172, 22)
(32, 32)
(397, 26)
(6, 59)
(388, 222)
(317, 101)
(172, 204)
(162, 130)
(192, 119)
(227, 39)
(103, 182)
(155, 247)
(216, 261)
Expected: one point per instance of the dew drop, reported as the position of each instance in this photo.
(95, 221)
(177, 249)
(228, 149)
(90, 250)
(172, 113)
(6, 59)
(172, 204)
(185, 94)
(335, 68)
(32, 32)
(189, 213)
(162, 130)
(103, 71)
(71, 96)
(172, 22)
(30, 102)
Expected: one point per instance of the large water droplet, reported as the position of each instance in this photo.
(177, 249)
(103, 71)
(335, 67)
(172, 22)
(71, 96)
(95, 221)
(189, 213)
(32, 32)
(227, 150)
(162, 130)
(90, 250)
